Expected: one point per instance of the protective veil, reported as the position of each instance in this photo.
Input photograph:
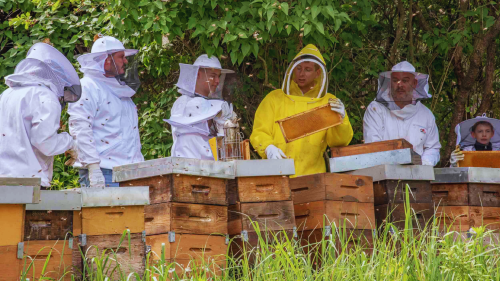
(465, 139)
(105, 120)
(30, 113)
(278, 104)
(385, 120)
(191, 111)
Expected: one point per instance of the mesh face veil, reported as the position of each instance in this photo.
(464, 129)
(130, 76)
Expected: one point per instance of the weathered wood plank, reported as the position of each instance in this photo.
(47, 225)
(112, 220)
(199, 219)
(160, 188)
(330, 186)
(453, 218)
(118, 253)
(485, 216)
(272, 215)
(486, 195)
(157, 218)
(450, 194)
(59, 262)
(9, 266)
(421, 213)
(394, 191)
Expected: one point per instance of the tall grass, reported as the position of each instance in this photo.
(415, 252)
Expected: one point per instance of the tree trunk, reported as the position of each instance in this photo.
(488, 81)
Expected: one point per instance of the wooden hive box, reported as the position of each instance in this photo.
(485, 159)
(54, 216)
(318, 214)
(185, 218)
(270, 215)
(126, 257)
(113, 210)
(453, 218)
(180, 180)
(182, 248)
(343, 239)
(64, 260)
(309, 122)
(329, 186)
(468, 186)
(370, 147)
(394, 191)
(12, 224)
(261, 181)
(485, 216)
(421, 213)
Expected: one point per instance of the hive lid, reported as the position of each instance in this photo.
(264, 167)
(174, 165)
(397, 172)
(58, 200)
(361, 161)
(10, 194)
(115, 196)
(467, 175)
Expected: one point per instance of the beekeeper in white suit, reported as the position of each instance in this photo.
(398, 113)
(194, 118)
(105, 120)
(30, 113)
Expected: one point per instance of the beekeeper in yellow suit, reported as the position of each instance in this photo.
(304, 87)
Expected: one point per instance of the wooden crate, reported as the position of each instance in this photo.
(329, 186)
(450, 194)
(313, 215)
(370, 147)
(9, 266)
(394, 191)
(453, 218)
(270, 215)
(259, 189)
(486, 159)
(48, 225)
(183, 188)
(421, 214)
(112, 220)
(485, 216)
(11, 224)
(60, 263)
(484, 194)
(185, 218)
(130, 257)
(187, 247)
(309, 122)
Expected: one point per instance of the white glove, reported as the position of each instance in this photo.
(338, 107)
(273, 152)
(227, 111)
(96, 177)
(456, 156)
(73, 153)
(221, 118)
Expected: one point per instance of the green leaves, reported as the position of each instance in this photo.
(284, 8)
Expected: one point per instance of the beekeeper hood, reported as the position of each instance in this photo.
(45, 65)
(187, 112)
(464, 130)
(309, 53)
(189, 73)
(105, 47)
(385, 79)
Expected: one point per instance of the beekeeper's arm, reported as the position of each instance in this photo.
(262, 135)
(81, 120)
(372, 125)
(44, 126)
(342, 134)
(431, 146)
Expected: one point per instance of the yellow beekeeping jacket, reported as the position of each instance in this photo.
(307, 152)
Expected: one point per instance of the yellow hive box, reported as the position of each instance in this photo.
(11, 224)
(112, 220)
(484, 159)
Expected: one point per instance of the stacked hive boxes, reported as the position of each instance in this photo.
(15, 194)
(467, 197)
(107, 214)
(390, 190)
(329, 204)
(52, 226)
(188, 211)
(260, 195)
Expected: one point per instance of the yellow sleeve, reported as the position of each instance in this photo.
(340, 135)
(263, 124)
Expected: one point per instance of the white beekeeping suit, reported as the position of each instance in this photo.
(191, 112)
(30, 113)
(105, 120)
(385, 120)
